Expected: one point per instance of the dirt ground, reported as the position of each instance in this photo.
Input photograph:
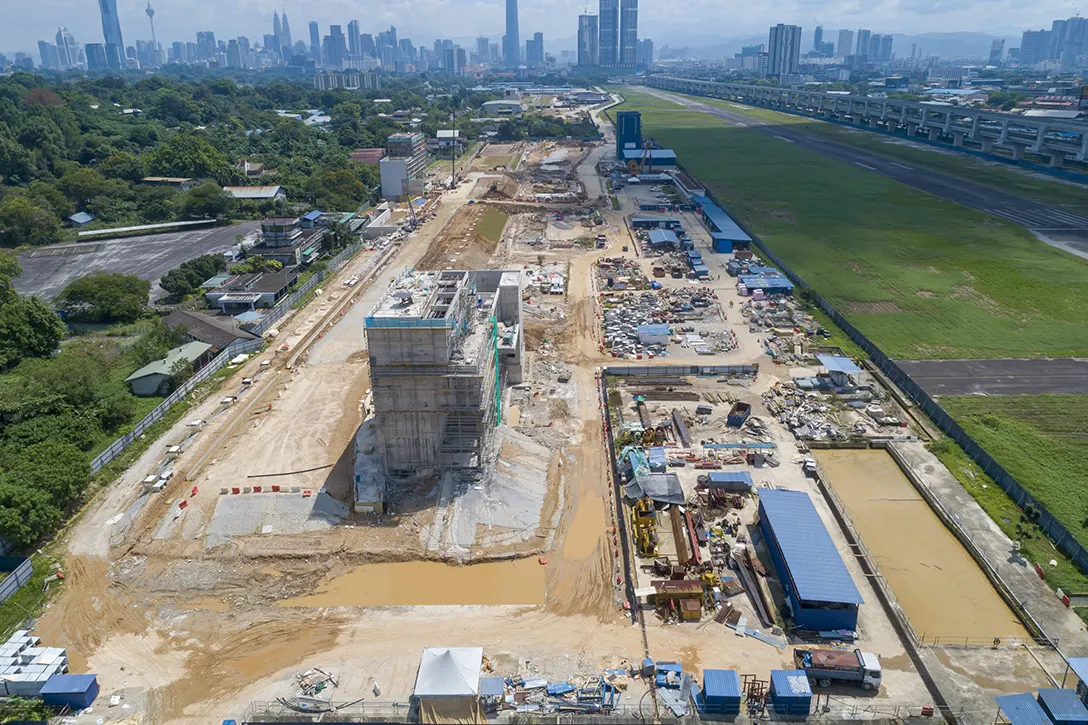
(459, 245)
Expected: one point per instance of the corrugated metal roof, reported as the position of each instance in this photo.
(724, 223)
(838, 364)
(492, 686)
(815, 565)
(653, 329)
(1079, 665)
(1022, 709)
(190, 351)
(653, 220)
(764, 271)
(1063, 705)
(721, 683)
(312, 215)
(790, 683)
(67, 684)
(754, 281)
(663, 154)
(729, 477)
(663, 236)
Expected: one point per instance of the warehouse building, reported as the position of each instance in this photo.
(750, 283)
(654, 222)
(657, 157)
(818, 588)
(725, 234)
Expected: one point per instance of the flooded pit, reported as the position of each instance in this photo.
(416, 583)
(939, 586)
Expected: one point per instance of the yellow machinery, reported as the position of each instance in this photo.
(644, 527)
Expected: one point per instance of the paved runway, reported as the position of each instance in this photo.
(47, 270)
(999, 377)
(1032, 215)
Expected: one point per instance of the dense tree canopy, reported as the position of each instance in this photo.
(105, 297)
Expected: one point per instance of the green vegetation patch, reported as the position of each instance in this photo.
(491, 224)
(922, 277)
(1042, 440)
(993, 174)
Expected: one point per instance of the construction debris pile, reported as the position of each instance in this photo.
(596, 694)
(314, 692)
(620, 273)
(831, 414)
(645, 324)
(787, 329)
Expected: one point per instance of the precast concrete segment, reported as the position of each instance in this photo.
(1031, 214)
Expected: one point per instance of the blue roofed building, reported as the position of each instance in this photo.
(839, 368)
(664, 239)
(769, 285)
(820, 593)
(1079, 667)
(1021, 709)
(1063, 707)
(725, 234)
(658, 157)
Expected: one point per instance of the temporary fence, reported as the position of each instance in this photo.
(19, 570)
(1046, 521)
(669, 370)
(115, 449)
(275, 711)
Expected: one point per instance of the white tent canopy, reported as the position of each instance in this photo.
(449, 672)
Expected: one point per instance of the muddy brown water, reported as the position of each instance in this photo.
(425, 582)
(939, 586)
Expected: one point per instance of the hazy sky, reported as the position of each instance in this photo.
(423, 20)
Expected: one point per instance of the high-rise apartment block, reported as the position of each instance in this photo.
(784, 50)
(589, 53)
(609, 21)
(863, 42)
(441, 346)
(628, 33)
(845, 46)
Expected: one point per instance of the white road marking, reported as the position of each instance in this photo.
(902, 166)
(783, 138)
(864, 166)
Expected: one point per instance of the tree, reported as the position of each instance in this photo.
(16, 164)
(83, 184)
(59, 469)
(156, 342)
(26, 516)
(9, 270)
(186, 278)
(22, 222)
(207, 201)
(338, 190)
(123, 165)
(337, 236)
(256, 264)
(105, 297)
(190, 155)
(28, 328)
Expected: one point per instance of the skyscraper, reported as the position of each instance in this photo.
(315, 41)
(628, 32)
(96, 56)
(511, 48)
(67, 50)
(818, 37)
(49, 56)
(588, 51)
(205, 45)
(645, 53)
(366, 44)
(784, 50)
(354, 39)
(1075, 42)
(1034, 46)
(277, 27)
(863, 42)
(997, 49)
(886, 47)
(845, 46)
(234, 54)
(111, 33)
(481, 49)
(874, 46)
(285, 36)
(335, 48)
(609, 22)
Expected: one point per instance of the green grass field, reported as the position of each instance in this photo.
(923, 277)
(1042, 440)
(994, 174)
(491, 225)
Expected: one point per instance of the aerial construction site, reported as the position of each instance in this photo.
(567, 445)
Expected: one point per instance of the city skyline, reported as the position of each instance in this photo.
(449, 19)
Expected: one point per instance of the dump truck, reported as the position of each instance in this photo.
(826, 667)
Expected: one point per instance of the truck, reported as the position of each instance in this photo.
(826, 667)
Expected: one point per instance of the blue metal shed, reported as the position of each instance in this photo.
(819, 589)
(736, 481)
(791, 693)
(769, 285)
(1079, 666)
(658, 461)
(720, 223)
(1063, 707)
(75, 691)
(1022, 709)
(838, 364)
(762, 271)
(721, 692)
(700, 270)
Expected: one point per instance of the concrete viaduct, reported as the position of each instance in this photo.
(985, 130)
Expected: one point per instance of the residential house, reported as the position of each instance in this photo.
(244, 292)
(219, 332)
(157, 378)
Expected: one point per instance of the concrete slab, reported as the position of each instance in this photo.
(286, 513)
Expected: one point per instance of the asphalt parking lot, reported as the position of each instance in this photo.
(47, 270)
(999, 377)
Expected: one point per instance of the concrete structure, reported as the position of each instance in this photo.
(957, 126)
(589, 50)
(407, 158)
(441, 346)
(817, 586)
(156, 378)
